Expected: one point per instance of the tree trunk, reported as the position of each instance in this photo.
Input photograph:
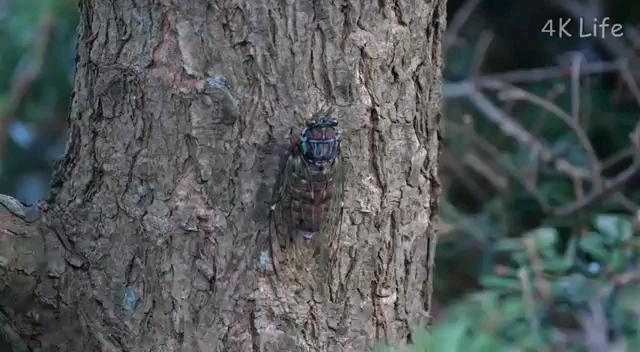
(158, 213)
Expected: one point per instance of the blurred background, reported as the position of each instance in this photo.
(539, 232)
(37, 62)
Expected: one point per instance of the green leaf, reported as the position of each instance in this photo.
(556, 265)
(484, 343)
(627, 298)
(421, 340)
(450, 336)
(575, 289)
(522, 258)
(561, 264)
(615, 228)
(617, 261)
(508, 245)
(544, 237)
(593, 244)
(512, 309)
(500, 283)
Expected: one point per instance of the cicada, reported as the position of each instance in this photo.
(307, 199)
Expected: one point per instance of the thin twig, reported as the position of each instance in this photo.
(542, 285)
(512, 92)
(616, 158)
(634, 37)
(551, 96)
(530, 302)
(450, 162)
(575, 86)
(495, 155)
(625, 278)
(456, 89)
(612, 186)
(459, 19)
(513, 129)
(627, 76)
(595, 325)
(481, 52)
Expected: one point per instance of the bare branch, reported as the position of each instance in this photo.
(512, 92)
(595, 326)
(611, 186)
(602, 187)
(458, 21)
(455, 89)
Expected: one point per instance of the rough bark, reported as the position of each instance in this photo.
(157, 214)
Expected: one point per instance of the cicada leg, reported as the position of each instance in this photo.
(275, 217)
(336, 243)
(272, 224)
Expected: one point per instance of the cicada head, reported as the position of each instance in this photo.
(319, 140)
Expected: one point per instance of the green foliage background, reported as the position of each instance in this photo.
(510, 275)
(39, 117)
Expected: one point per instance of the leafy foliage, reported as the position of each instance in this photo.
(534, 254)
(549, 298)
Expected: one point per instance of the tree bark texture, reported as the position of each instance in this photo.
(158, 213)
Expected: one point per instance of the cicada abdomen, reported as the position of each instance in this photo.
(307, 199)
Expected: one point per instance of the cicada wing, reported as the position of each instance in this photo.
(329, 238)
(277, 210)
(337, 202)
